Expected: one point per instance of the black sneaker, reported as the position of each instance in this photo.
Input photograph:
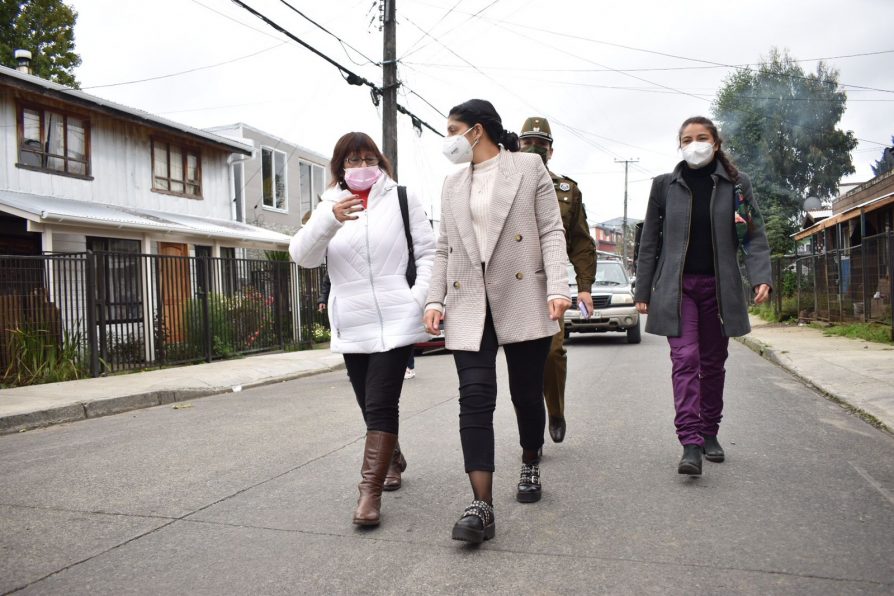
(529, 489)
(477, 523)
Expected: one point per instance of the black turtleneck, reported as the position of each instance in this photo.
(700, 254)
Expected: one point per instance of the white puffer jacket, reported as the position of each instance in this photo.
(371, 306)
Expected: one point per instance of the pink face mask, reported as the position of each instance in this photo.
(362, 178)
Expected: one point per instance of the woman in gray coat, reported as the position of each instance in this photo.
(500, 276)
(688, 279)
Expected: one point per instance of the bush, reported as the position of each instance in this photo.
(36, 357)
(321, 333)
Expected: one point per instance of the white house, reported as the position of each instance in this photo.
(279, 184)
(79, 173)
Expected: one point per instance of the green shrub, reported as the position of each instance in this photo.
(36, 357)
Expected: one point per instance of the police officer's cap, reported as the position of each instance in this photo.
(536, 127)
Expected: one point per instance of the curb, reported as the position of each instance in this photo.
(769, 354)
(96, 408)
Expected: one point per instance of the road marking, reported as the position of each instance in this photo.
(873, 482)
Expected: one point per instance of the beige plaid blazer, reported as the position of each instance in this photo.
(525, 260)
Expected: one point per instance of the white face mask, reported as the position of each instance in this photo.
(458, 149)
(698, 153)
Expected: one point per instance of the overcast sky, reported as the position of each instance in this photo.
(559, 59)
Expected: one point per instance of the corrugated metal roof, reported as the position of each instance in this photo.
(133, 113)
(54, 210)
(851, 213)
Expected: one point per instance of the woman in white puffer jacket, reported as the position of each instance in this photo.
(374, 314)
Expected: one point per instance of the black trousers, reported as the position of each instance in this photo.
(377, 380)
(477, 373)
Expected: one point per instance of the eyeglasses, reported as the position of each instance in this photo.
(356, 161)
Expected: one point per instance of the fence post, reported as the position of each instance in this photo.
(777, 265)
(890, 248)
(867, 296)
(90, 294)
(206, 309)
(280, 267)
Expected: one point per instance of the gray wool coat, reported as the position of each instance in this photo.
(525, 261)
(659, 272)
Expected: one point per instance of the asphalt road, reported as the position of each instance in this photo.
(252, 493)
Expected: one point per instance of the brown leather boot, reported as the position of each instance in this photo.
(397, 466)
(377, 455)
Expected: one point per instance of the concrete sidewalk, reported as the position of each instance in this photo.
(25, 408)
(858, 373)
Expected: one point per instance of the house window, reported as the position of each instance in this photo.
(54, 141)
(176, 169)
(311, 183)
(273, 171)
(119, 289)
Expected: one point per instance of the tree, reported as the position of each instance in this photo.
(779, 125)
(886, 163)
(46, 29)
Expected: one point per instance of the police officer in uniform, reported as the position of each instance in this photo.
(536, 137)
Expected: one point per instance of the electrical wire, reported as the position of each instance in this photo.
(350, 77)
(183, 72)
(649, 69)
(340, 40)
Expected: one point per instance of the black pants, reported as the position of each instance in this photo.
(377, 380)
(478, 395)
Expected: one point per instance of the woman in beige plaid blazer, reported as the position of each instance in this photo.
(499, 279)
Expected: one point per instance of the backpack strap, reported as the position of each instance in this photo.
(405, 215)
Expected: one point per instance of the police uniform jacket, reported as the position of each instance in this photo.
(525, 261)
(579, 244)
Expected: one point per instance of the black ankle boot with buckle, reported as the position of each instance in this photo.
(712, 449)
(477, 523)
(529, 489)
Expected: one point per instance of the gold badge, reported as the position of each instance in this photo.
(564, 187)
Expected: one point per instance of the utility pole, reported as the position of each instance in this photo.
(626, 162)
(389, 84)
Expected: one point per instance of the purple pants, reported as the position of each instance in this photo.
(698, 356)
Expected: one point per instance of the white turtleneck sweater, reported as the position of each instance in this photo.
(484, 175)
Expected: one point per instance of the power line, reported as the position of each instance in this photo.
(340, 40)
(471, 16)
(350, 77)
(432, 28)
(571, 129)
(183, 72)
(642, 79)
(668, 55)
(654, 69)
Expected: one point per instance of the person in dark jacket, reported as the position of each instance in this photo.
(688, 279)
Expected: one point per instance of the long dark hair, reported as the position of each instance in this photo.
(731, 169)
(354, 142)
(481, 111)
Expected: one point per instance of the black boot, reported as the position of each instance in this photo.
(691, 462)
(477, 523)
(557, 428)
(712, 449)
(529, 489)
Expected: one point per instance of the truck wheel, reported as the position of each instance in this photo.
(633, 335)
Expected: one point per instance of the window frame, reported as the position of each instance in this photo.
(66, 113)
(185, 150)
(273, 151)
(110, 285)
(313, 192)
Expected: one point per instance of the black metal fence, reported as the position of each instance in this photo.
(108, 312)
(847, 285)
